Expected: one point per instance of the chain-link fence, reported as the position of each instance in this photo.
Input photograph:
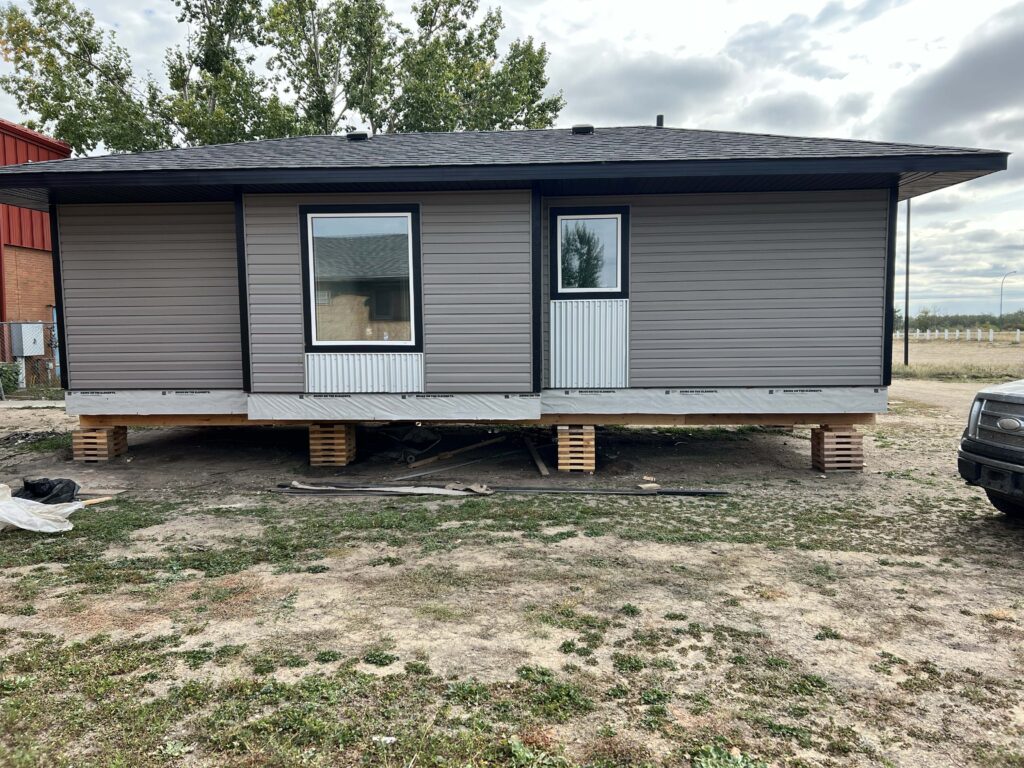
(29, 358)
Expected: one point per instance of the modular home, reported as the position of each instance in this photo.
(571, 277)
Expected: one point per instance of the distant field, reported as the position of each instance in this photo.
(1002, 360)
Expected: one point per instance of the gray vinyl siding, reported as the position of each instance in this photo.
(476, 288)
(779, 289)
(151, 296)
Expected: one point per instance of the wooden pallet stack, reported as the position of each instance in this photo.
(837, 448)
(332, 444)
(577, 449)
(99, 443)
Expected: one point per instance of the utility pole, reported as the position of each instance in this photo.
(906, 298)
(1001, 284)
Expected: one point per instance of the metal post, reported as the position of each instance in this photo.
(1001, 284)
(906, 298)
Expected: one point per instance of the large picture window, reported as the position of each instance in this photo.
(589, 252)
(362, 276)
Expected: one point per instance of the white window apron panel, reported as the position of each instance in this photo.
(590, 343)
(344, 372)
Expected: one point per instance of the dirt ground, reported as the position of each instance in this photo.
(1003, 359)
(847, 620)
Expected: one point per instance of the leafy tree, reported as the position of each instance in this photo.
(79, 80)
(321, 68)
(582, 258)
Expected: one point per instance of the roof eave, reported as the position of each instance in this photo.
(28, 185)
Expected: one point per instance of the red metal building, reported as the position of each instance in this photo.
(26, 266)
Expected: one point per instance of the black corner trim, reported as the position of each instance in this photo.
(243, 291)
(890, 288)
(417, 277)
(58, 299)
(536, 278)
(593, 210)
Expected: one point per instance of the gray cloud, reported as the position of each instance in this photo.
(599, 89)
(785, 112)
(1007, 128)
(787, 45)
(793, 43)
(853, 105)
(836, 12)
(982, 78)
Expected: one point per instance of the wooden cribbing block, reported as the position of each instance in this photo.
(577, 449)
(332, 444)
(837, 448)
(99, 443)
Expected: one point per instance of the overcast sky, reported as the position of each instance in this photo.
(925, 71)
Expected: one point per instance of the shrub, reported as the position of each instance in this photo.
(9, 376)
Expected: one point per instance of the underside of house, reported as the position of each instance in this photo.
(568, 277)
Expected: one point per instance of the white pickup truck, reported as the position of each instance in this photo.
(991, 451)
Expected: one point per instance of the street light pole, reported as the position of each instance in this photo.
(1001, 284)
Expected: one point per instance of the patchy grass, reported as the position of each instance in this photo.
(666, 632)
(994, 373)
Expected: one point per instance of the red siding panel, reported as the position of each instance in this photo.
(18, 226)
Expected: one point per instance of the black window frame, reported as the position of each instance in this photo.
(622, 211)
(413, 210)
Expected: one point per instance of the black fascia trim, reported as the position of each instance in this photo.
(417, 277)
(536, 278)
(58, 299)
(994, 161)
(590, 210)
(243, 291)
(890, 287)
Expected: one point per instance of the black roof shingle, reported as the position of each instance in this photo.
(492, 148)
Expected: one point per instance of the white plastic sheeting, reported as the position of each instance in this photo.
(383, 407)
(487, 407)
(726, 400)
(33, 516)
(146, 402)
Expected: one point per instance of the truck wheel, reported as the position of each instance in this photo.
(1008, 505)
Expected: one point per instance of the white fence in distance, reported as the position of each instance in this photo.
(968, 334)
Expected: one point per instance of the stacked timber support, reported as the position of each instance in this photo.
(837, 448)
(99, 443)
(332, 444)
(577, 449)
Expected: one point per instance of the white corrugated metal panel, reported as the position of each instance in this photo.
(343, 372)
(590, 343)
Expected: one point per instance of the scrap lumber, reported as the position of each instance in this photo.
(98, 500)
(535, 455)
(435, 470)
(454, 452)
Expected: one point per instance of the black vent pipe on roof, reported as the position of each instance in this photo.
(582, 129)
(660, 121)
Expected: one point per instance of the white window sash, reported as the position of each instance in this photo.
(618, 251)
(318, 342)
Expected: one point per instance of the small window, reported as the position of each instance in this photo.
(589, 253)
(362, 275)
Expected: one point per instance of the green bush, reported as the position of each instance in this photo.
(9, 376)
